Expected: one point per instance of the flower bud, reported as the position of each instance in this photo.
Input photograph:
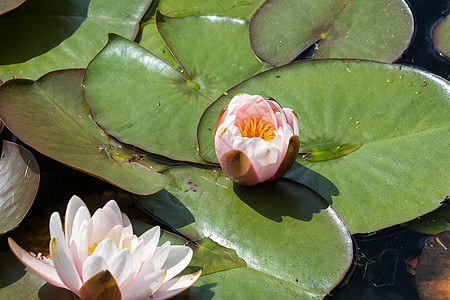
(255, 139)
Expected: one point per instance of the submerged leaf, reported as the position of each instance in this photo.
(8, 5)
(433, 268)
(19, 182)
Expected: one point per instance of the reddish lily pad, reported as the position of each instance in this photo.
(8, 5)
(19, 182)
(441, 36)
(433, 268)
(51, 116)
(378, 30)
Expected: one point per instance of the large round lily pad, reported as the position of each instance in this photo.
(48, 35)
(291, 239)
(386, 126)
(144, 101)
(51, 116)
(19, 182)
(379, 30)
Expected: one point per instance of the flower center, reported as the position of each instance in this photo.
(91, 249)
(253, 128)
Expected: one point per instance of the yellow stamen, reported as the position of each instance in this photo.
(91, 249)
(253, 128)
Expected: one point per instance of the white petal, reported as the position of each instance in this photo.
(121, 267)
(138, 252)
(106, 249)
(116, 235)
(176, 285)
(101, 224)
(161, 254)
(82, 215)
(74, 204)
(151, 239)
(154, 263)
(79, 245)
(179, 258)
(64, 265)
(127, 228)
(143, 288)
(130, 242)
(113, 205)
(56, 226)
(40, 268)
(114, 219)
(92, 265)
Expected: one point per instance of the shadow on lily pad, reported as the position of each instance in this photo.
(313, 180)
(280, 198)
(38, 26)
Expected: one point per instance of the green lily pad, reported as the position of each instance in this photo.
(232, 8)
(161, 115)
(8, 5)
(291, 239)
(19, 182)
(400, 115)
(51, 116)
(441, 36)
(434, 222)
(379, 30)
(63, 28)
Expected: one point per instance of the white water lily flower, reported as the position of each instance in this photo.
(256, 140)
(106, 241)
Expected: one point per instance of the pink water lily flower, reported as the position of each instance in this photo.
(255, 139)
(105, 241)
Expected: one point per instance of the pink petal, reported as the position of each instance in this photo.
(176, 285)
(144, 287)
(40, 268)
(72, 207)
(64, 265)
(179, 258)
(292, 120)
(92, 265)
